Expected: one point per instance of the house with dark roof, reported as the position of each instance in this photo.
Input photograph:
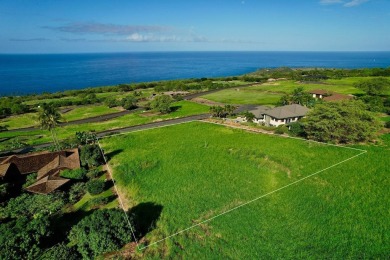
(329, 95)
(277, 116)
(47, 165)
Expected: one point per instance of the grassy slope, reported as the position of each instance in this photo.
(88, 111)
(185, 108)
(30, 119)
(270, 93)
(196, 171)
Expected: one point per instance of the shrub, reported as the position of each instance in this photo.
(91, 156)
(162, 104)
(93, 173)
(76, 174)
(102, 231)
(99, 201)
(129, 102)
(60, 252)
(387, 124)
(111, 102)
(281, 130)
(296, 129)
(95, 186)
(77, 191)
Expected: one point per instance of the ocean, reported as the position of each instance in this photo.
(38, 73)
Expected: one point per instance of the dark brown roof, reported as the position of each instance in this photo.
(8, 170)
(34, 161)
(337, 97)
(4, 169)
(47, 184)
(70, 161)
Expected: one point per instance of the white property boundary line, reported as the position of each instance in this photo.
(234, 208)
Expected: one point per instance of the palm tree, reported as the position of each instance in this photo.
(49, 117)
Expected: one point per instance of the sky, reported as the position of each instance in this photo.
(50, 26)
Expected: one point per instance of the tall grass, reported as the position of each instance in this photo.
(196, 171)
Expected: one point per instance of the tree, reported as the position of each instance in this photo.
(33, 205)
(162, 104)
(129, 102)
(229, 109)
(22, 238)
(76, 191)
(217, 111)
(101, 232)
(60, 252)
(49, 117)
(86, 138)
(298, 96)
(249, 116)
(111, 102)
(341, 122)
(91, 156)
(374, 87)
(95, 187)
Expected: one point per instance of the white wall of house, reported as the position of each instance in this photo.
(278, 122)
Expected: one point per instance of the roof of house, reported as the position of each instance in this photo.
(4, 169)
(337, 97)
(34, 161)
(259, 111)
(8, 168)
(319, 92)
(288, 111)
(69, 161)
(47, 184)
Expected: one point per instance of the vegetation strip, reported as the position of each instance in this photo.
(117, 193)
(243, 204)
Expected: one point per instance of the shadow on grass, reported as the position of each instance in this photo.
(112, 154)
(175, 108)
(108, 185)
(144, 217)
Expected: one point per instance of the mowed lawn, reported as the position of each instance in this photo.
(196, 171)
(270, 93)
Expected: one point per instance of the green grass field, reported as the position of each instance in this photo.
(30, 119)
(270, 93)
(197, 170)
(183, 108)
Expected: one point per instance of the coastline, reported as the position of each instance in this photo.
(39, 73)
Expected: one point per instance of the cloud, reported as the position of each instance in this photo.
(105, 29)
(355, 3)
(73, 39)
(29, 40)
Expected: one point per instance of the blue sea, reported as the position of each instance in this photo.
(37, 73)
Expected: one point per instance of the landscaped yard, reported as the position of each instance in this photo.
(196, 171)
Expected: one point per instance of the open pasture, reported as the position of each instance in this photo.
(196, 171)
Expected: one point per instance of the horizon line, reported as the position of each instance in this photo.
(186, 51)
